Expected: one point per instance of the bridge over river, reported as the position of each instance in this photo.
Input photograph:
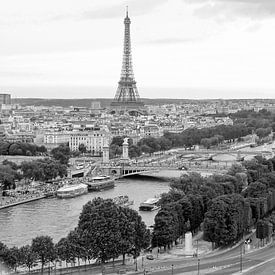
(176, 159)
(122, 171)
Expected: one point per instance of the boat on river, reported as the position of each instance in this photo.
(71, 191)
(123, 201)
(99, 183)
(151, 204)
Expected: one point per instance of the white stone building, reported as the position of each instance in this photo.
(93, 140)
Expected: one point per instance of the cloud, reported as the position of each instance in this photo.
(136, 7)
(172, 40)
(231, 9)
(19, 74)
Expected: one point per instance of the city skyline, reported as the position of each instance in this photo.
(208, 49)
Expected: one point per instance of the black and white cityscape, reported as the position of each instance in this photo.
(137, 137)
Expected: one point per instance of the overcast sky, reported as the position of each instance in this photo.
(180, 48)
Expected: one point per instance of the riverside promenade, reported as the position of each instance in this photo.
(2, 206)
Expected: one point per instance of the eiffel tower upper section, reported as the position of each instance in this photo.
(127, 96)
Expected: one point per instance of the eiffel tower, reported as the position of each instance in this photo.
(127, 97)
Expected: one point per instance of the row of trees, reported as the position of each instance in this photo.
(105, 231)
(188, 138)
(21, 148)
(213, 141)
(43, 169)
(228, 218)
(255, 120)
(41, 250)
(9, 172)
(39, 170)
(191, 137)
(220, 203)
(183, 208)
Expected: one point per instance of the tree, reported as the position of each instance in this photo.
(64, 250)
(235, 168)
(82, 148)
(28, 257)
(43, 246)
(189, 183)
(107, 230)
(214, 226)
(165, 229)
(75, 245)
(3, 252)
(173, 195)
(12, 164)
(134, 151)
(4, 147)
(197, 212)
(99, 229)
(140, 238)
(256, 190)
(12, 258)
(62, 153)
(225, 219)
(43, 169)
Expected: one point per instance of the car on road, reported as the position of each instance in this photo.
(150, 257)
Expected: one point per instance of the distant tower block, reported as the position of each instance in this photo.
(106, 159)
(127, 97)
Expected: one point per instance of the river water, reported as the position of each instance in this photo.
(56, 217)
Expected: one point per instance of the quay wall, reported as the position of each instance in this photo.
(22, 202)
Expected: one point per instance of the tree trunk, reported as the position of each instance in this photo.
(123, 259)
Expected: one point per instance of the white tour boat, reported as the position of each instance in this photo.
(150, 204)
(70, 191)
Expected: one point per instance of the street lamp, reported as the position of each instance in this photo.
(136, 264)
(198, 266)
(241, 257)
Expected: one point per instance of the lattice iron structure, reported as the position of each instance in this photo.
(127, 96)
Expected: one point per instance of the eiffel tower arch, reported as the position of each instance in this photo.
(127, 97)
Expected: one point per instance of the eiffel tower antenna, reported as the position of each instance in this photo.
(127, 97)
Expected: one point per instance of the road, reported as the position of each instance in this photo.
(226, 263)
(219, 263)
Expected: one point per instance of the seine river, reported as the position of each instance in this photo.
(56, 217)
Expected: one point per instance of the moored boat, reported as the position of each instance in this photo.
(150, 205)
(99, 182)
(70, 191)
(123, 201)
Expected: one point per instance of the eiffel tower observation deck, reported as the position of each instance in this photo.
(127, 98)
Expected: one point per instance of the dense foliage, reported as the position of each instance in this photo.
(21, 148)
(226, 205)
(255, 120)
(62, 153)
(9, 172)
(105, 231)
(43, 169)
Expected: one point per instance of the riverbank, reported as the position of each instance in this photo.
(22, 202)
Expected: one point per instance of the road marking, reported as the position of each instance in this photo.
(255, 266)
